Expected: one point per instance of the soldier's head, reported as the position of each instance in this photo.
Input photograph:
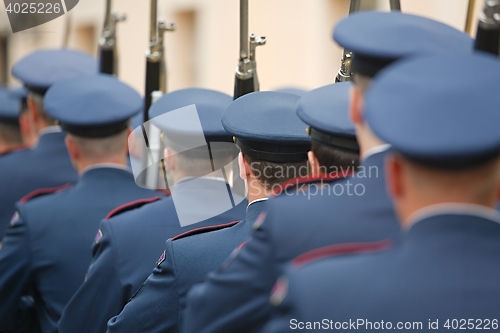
(379, 39)
(334, 147)
(10, 132)
(444, 131)
(95, 111)
(26, 126)
(196, 144)
(39, 70)
(271, 138)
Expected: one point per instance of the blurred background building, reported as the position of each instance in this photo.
(203, 51)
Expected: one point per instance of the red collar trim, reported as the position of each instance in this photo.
(130, 205)
(309, 180)
(340, 249)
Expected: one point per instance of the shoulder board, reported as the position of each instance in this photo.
(165, 192)
(340, 249)
(299, 181)
(43, 191)
(130, 206)
(203, 230)
(13, 150)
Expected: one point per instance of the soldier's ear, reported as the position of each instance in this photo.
(27, 129)
(170, 159)
(314, 164)
(356, 106)
(242, 164)
(395, 177)
(34, 113)
(73, 151)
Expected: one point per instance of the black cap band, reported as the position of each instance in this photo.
(368, 66)
(454, 163)
(272, 156)
(37, 90)
(9, 121)
(345, 143)
(96, 132)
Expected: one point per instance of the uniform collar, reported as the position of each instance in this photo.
(50, 137)
(375, 150)
(105, 165)
(453, 209)
(187, 179)
(50, 129)
(255, 201)
(254, 209)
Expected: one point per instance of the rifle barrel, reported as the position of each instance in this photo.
(244, 29)
(153, 27)
(107, 62)
(470, 16)
(354, 6)
(4, 57)
(488, 29)
(488, 41)
(107, 13)
(395, 4)
(152, 84)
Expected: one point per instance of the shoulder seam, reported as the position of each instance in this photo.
(133, 204)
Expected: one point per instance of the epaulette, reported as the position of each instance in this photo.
(43, 191)
(13, 150)
(130, 206)
(340, 249)
(300, 181)
(205, 229)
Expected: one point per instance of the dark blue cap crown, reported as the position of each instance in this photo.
(210, 106)
(20, 93)
(92, 106)
(450, 120)
(291, 90)
(267, 127)
(326, 110)
(379, 38)
(10, 106)
(41, 69)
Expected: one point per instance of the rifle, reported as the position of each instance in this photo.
(470, 16)
(345, 73)
(156, 85)
(488, 29)
(155, 62)
(108, 63)
(67, 30)
(4, 58)
(246, 80)
(395, 4)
